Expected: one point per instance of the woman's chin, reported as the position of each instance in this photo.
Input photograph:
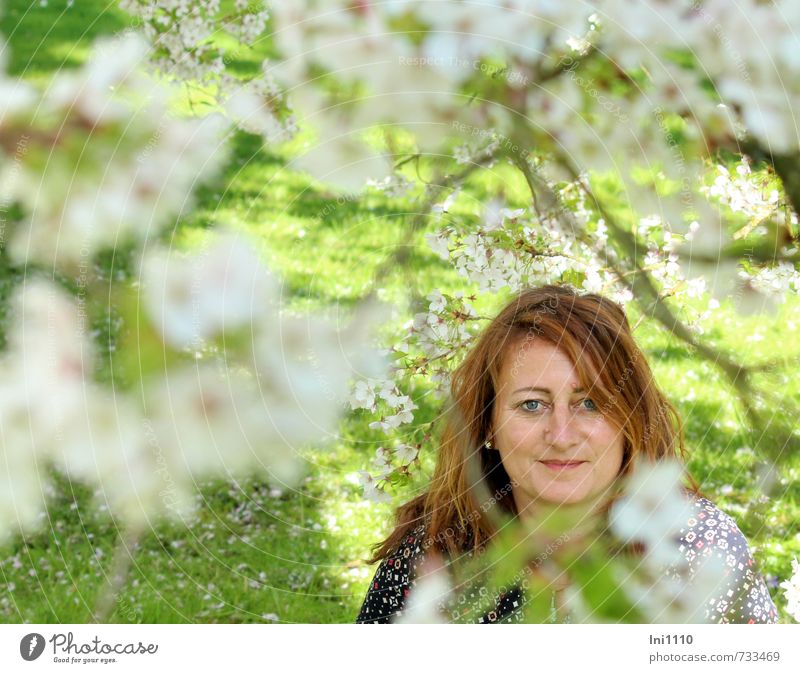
(562, 494)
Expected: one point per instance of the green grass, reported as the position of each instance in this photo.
(258, 553)
(56, 34)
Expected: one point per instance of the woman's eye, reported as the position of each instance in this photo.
(530, 405)
(591, 405)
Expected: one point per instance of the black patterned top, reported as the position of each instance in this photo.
(741, 596)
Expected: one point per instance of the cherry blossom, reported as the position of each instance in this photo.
(791, 588)
(371, 490)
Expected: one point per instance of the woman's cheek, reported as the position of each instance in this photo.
(519, 452)
(523, 433)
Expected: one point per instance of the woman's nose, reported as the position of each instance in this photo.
(561, 431)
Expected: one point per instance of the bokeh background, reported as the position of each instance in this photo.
(259, 551)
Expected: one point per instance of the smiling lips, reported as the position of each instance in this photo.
(562, 465)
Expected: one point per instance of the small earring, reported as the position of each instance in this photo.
(488, 444)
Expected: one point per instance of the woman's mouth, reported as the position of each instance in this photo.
(562, 465)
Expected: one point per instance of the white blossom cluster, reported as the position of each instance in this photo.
(653, 511)
(387, 463)
(514, 249)
(382, 397)
(791, 588)
(434, 336)
(424, 83)
(96, 160)
(486, 256)
(756, 198)
(181, 30)
(740, 192)
(145, 450)
(384, 394)
(443, 328)
(776, 282)
(748, 52)
(226, 381)
(181, 33)
(412, 83)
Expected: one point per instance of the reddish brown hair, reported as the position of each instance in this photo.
(595, 334)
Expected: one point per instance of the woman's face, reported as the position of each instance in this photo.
(554, 443)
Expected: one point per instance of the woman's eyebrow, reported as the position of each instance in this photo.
(543, 390)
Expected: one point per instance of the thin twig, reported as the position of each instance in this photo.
(120, 566)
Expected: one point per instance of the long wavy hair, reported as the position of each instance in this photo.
(595, 334)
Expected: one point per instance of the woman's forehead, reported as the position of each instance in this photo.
(538, 362)
(533, 357)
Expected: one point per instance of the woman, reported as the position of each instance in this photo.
(560, 402)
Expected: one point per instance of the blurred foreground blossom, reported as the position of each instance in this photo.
(97, 160)
(677, 598)
(195, 297)
(653, 509)
(54, 414)
(429, 595)
(791, 588)
(283, 386)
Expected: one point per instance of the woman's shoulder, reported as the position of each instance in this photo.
(707, 516)
(402, 559)
(712, 533)
(710, 529)
(412, 543)
(393, 579)
(708, 509)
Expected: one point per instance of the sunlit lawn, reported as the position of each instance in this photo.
(261, 552)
